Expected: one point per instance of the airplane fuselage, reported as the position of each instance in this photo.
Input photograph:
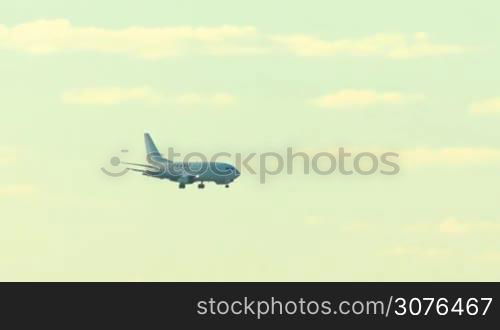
(186, 173)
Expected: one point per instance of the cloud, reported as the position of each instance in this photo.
(110, 96)
(117, 95)
(313, 220)
(491, 256)
(360, 227)
(398, 46)
(449, 156)
(350, 98)
(488, 106)
(16, 190)
(454, 226)
(417, 251)
(58, 35)
(221, 99)
(447, 226)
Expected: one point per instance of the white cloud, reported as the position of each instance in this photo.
(397, 46)
(59, 35)
(16, 190)
(118, 95)
(449, 156)
(349, 98)
(110, 96)
(487, 106)
(49, 36)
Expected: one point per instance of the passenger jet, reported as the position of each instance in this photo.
(184, 172)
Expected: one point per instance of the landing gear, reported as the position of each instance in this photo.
(182, 185)
(227, 186)
(201, 186)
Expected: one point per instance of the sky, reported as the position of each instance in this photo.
(82, 80)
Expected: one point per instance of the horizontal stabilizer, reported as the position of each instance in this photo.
(143, 165)
(137, 170)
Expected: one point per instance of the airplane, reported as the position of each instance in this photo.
(184, 172)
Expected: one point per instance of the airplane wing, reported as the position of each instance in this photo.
(187, 178)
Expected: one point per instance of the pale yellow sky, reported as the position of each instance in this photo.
(82, 80)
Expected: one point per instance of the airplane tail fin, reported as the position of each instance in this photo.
(151, 149)
(150, 145)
